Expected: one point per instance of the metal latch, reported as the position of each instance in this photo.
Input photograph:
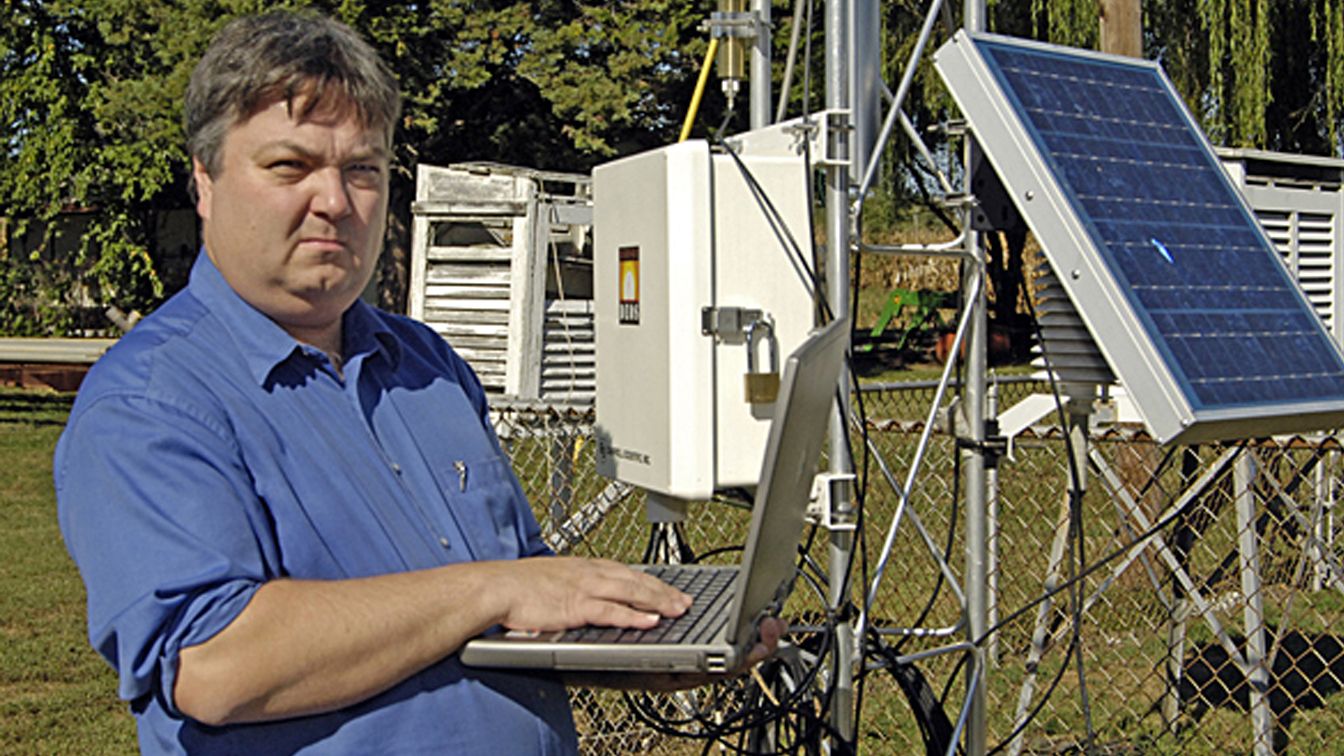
(727, 322)
(754, 327)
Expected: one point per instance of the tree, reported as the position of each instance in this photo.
(91, 93)
(90, 98)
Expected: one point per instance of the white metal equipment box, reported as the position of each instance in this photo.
(688, 254)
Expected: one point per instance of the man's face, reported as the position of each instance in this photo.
(293, 218)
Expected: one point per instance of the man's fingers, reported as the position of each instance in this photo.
(562, 592)
(620, 584)
(612, 614)
(771, 630)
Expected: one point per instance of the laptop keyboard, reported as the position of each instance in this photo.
(709, 587)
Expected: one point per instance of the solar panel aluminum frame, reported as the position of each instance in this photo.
(1104, 307)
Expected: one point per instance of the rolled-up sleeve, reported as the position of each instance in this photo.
(160, 516)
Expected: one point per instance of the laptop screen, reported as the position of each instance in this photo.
(807, 391)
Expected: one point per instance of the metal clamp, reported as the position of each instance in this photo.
(728, 322)
(827, 489)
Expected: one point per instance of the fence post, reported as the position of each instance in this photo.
(1257, 673)
(992, 535)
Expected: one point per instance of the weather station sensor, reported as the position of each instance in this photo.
(702, 286)
(1167, 268)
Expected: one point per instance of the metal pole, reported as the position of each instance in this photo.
(977, 529)
(837, 289)
(1257, 671)
(992, 545)
(761, 76)
(865, 78)
(1040, 634)
(977, 525)
(1182, 541)
(974, 11)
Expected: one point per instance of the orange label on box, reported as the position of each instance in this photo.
(629, 285)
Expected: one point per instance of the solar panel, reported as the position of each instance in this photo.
(1182, 291)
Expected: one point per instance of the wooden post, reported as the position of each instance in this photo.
(1122, 27)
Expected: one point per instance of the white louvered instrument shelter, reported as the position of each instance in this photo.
(1299, 202)
(501, 267)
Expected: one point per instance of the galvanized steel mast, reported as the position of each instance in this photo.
(976, 462)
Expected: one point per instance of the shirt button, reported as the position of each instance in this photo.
(396, 468)
(443, 541)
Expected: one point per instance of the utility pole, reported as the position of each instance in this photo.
(1122, 27)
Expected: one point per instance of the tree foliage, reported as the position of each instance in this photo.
(91, 91)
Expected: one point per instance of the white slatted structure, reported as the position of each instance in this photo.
(1299, 202)
(501, 266)
(569, 366)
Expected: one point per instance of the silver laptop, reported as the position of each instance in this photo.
(720, 628)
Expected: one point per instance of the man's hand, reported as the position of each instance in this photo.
(558, 593)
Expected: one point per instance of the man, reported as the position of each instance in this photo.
(288, 507)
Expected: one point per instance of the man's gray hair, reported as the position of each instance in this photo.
(281, 57)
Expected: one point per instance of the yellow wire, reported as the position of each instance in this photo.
(699, 89)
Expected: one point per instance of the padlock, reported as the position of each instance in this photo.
(762, 388)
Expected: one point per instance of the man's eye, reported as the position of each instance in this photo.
(364, 173)
(286, 166)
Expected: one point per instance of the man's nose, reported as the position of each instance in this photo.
(331, 196)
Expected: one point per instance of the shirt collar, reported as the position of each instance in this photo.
(367, 333)
(262, 342)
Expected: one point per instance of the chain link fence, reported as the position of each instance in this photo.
(1185, 603)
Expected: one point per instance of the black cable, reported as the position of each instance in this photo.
(791, 246)
(1088, 571)
(751, 713)
(744, 718)
(1046, 596)
(728, 113)
(1070, 584)
(807, 269)
(781, 230)
(793, 249)
(1075, 577)
(1045, 698)
(935, 729)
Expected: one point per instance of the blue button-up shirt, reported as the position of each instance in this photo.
(209, 452)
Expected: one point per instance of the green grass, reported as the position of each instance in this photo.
(56, 694)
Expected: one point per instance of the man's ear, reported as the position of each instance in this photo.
(204, 188)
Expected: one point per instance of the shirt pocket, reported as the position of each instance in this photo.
(489, 505)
